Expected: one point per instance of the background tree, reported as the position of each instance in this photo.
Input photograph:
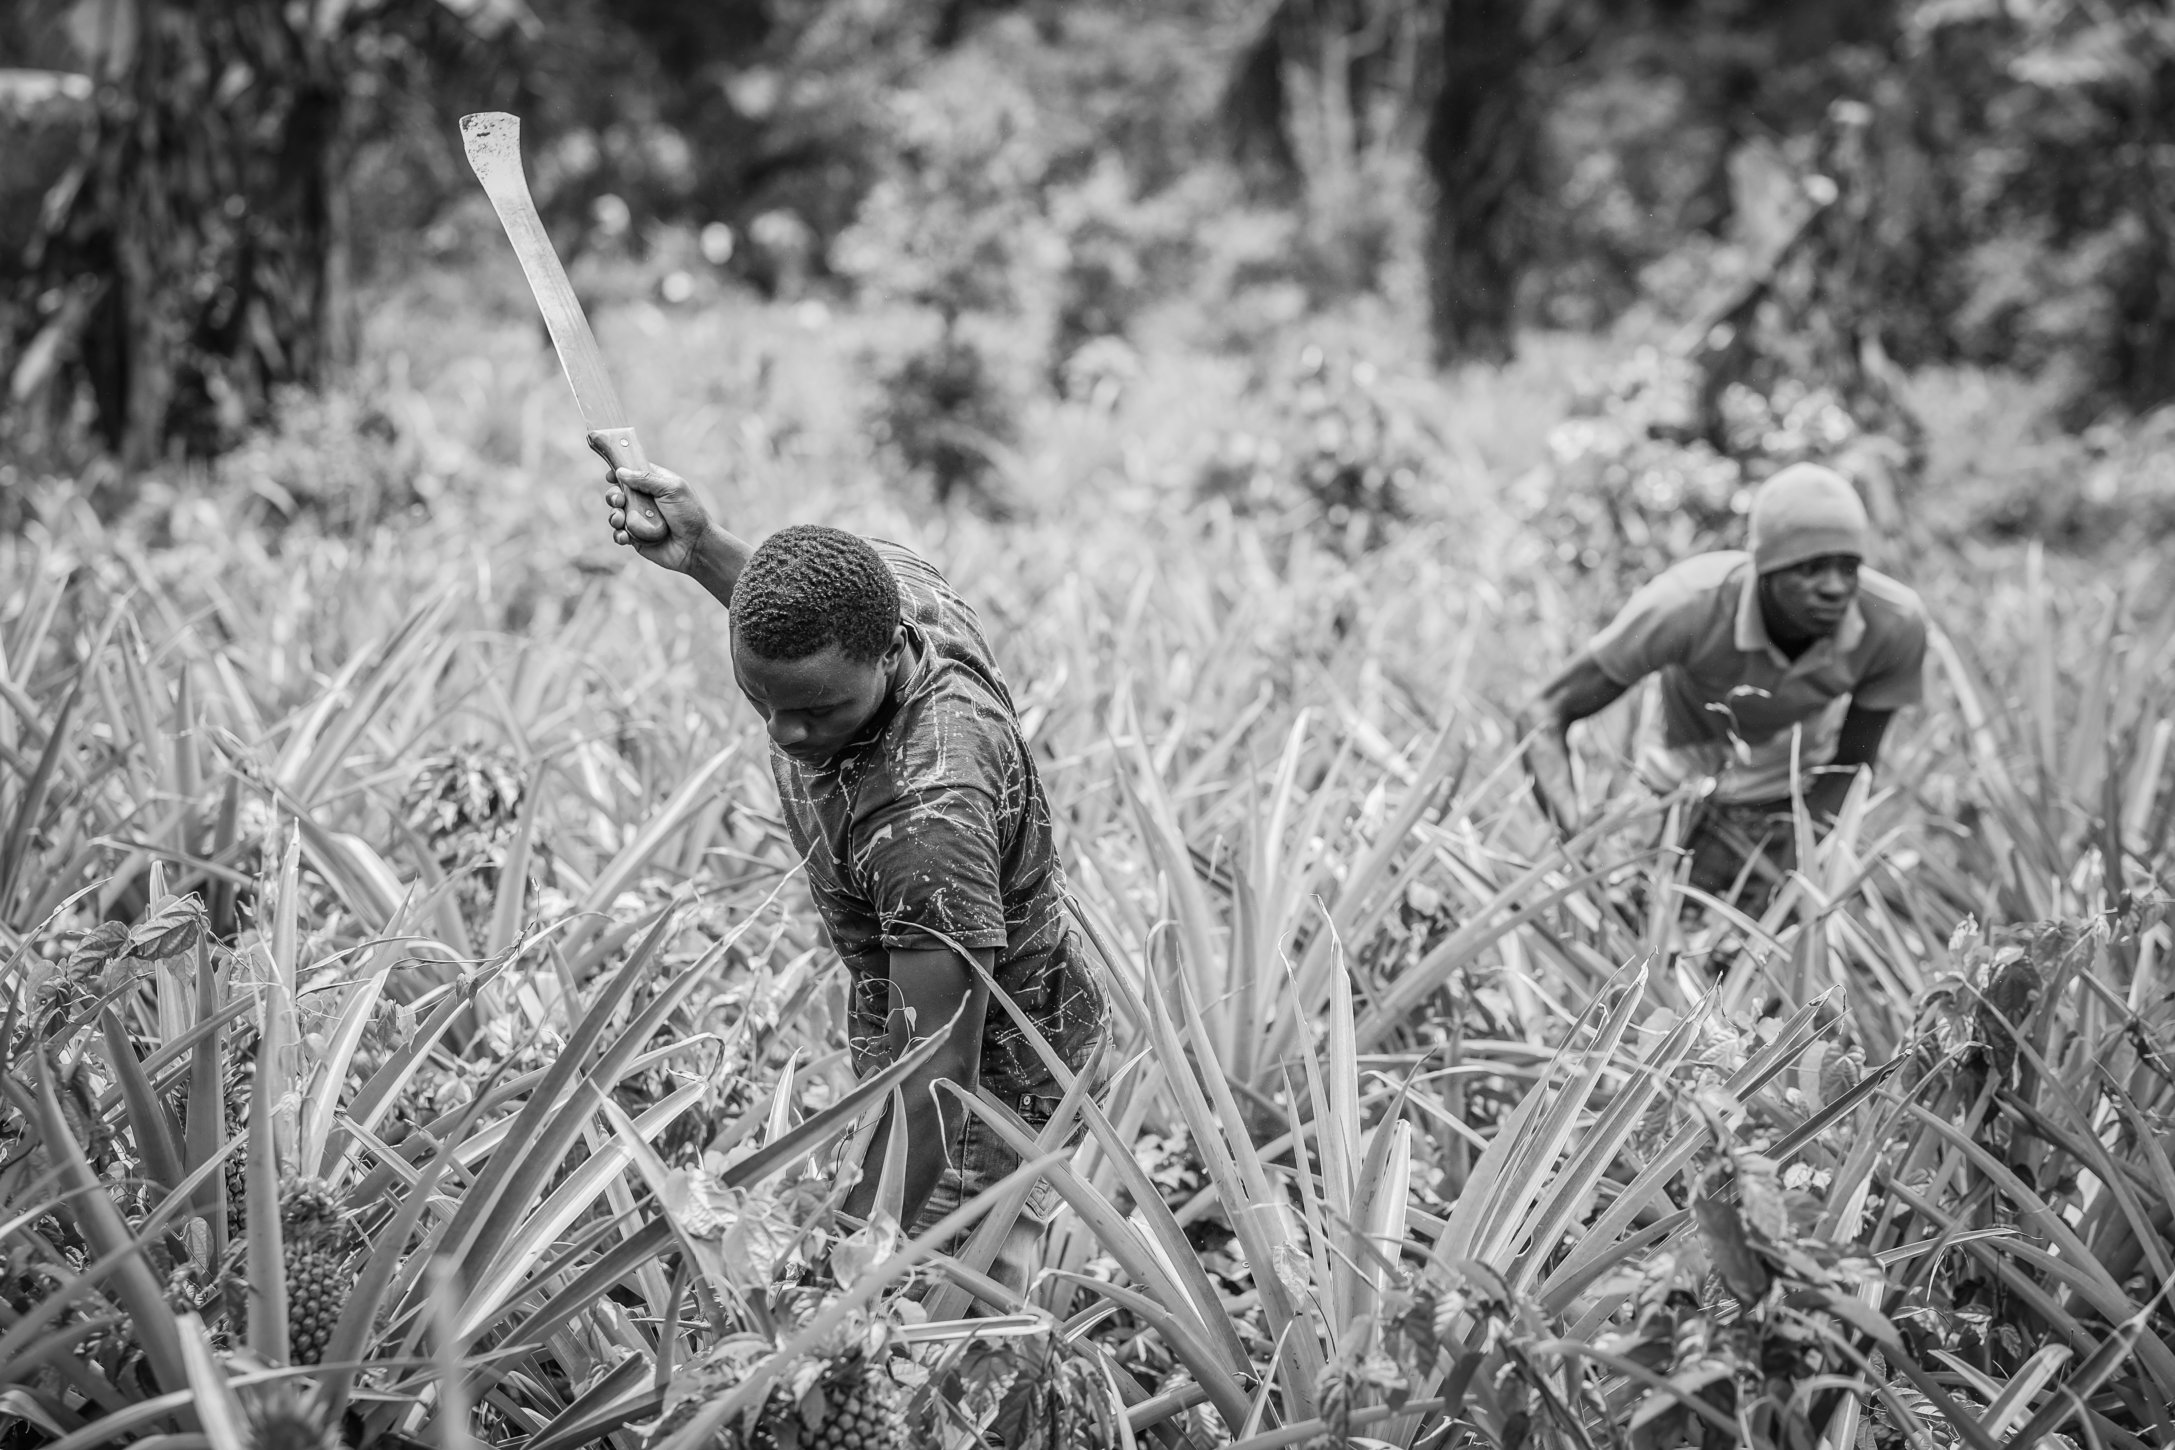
(195, 255)
(1481, 149)
(188, 245)
(2048, 155)
(1322, 111)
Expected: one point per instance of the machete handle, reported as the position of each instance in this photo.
(619, 448)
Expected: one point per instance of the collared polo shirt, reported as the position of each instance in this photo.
(1727, 703)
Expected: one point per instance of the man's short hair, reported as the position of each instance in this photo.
(808, 587)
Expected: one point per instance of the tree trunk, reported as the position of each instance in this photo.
(1480, 151)
(1252, 110)
(212, 200)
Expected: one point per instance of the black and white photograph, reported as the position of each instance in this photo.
(1087, 724)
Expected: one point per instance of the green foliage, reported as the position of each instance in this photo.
(1120, 254)
(2061, 194)
(949, 417)
(2082, 492)
(335, 460)
(955, 219)
(1627, 491)
(1348, 458)
(1059, 168)
(193, 259)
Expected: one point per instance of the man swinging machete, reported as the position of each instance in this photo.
(911, 795)
(907, 787)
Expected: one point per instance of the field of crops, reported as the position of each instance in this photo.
(417, 1030)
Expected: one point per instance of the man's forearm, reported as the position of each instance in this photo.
(1830, 785)
(1857, 747)
(933, 1121)
(1548, 765)
(717, 562)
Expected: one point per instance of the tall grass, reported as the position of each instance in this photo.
(446, 854)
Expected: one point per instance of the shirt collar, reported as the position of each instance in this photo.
(1752, 638)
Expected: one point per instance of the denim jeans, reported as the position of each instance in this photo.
(1723, 840)
(980, 1158)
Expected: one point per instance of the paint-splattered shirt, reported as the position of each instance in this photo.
(934, 826)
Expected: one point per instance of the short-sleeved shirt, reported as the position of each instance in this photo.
(1726, 699)
(932, 828)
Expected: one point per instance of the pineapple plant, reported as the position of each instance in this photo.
(710, 1376)
(240, 1077)
(466, 804)
(281, 1417)
(849, 1402)
(856, 1408)
(314, 1242)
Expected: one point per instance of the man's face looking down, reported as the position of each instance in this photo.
(1808, 600)
(814, 706)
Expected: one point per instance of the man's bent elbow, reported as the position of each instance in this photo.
(956, 1064)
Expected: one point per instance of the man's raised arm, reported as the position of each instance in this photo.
(693, 544)
(1578, 690)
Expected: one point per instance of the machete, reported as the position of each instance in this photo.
(493, 142)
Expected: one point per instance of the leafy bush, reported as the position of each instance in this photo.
(1121, 253)
(1628, 489)
(943, 410)
(2107, 485)
(336, 459)
(2055, 208)
(955, 221)
(1347, 458)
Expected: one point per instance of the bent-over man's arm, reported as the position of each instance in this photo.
(1657, 627)
(1579, 689)
(927, 987)
(1896, 679)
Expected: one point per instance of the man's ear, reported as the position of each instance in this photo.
(897, 649)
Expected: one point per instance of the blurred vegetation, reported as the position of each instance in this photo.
(190, 235)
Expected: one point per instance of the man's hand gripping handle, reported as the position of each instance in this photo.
(619, 448)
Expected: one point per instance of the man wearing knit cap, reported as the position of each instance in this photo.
(1789, 649)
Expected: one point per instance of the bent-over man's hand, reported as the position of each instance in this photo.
(1555, 789)
(1578, 690)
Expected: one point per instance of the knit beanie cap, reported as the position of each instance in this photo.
(1806, 512)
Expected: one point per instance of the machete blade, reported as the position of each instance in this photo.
(493, 142)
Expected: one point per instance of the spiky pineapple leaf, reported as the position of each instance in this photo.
(151, 1126)
(100, 1222)
(267, 1270)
